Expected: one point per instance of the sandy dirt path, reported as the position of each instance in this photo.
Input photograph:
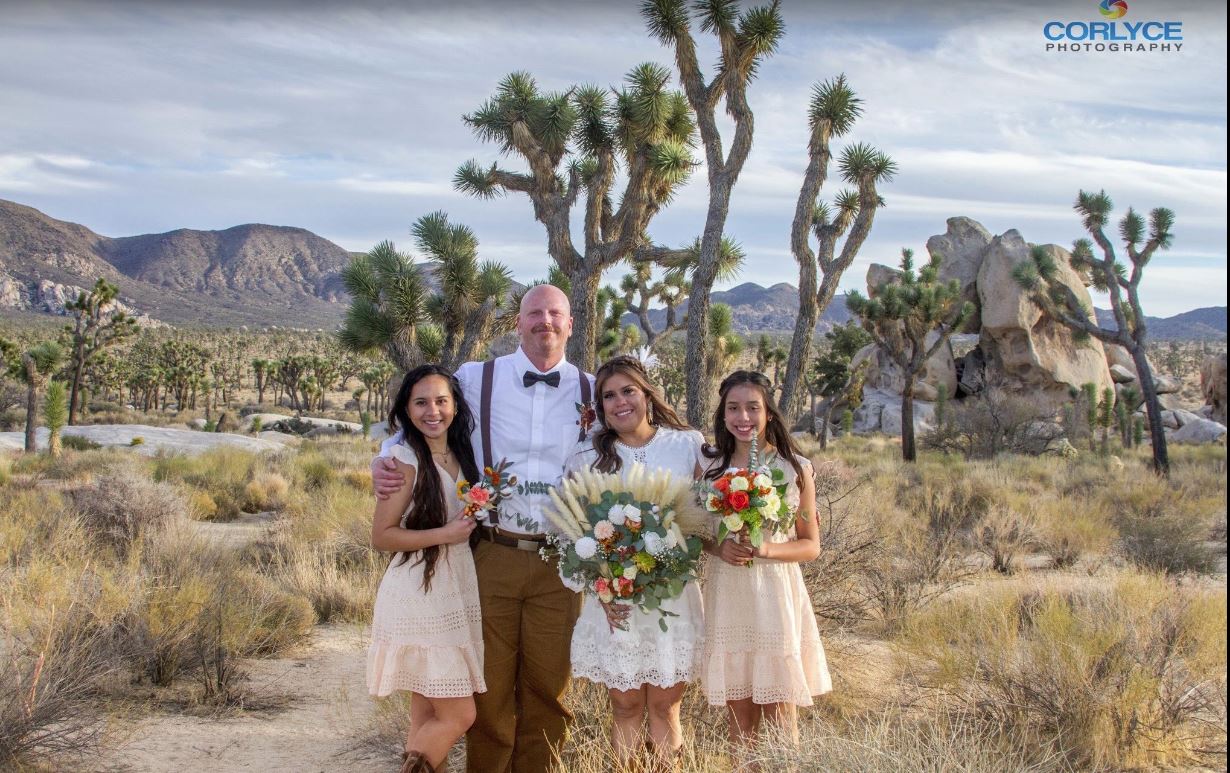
(318, 731)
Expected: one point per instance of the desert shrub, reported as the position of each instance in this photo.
(1069, 531)
(358, 479)
(74, 465)
(848, 545)
(1004, 533)
(994, 422)
(1127, 675)
(6, 470)
(119, 508)
(49, 696)
(137, 440)
(266, 491)
(79, 443)
(314, 471)
(1164, 542)
(225, 474)
(335, 593)
(201, 505)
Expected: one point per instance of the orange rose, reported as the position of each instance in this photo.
(739, 500)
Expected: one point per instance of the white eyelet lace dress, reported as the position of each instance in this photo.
(430, 642)
(761, 637)
(643, 654)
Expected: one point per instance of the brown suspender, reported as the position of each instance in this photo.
(484, 411)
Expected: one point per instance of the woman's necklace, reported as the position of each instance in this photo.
(640, 453)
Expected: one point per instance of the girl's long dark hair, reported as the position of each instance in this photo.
(663, 415)
(775, 430)
(428, 509)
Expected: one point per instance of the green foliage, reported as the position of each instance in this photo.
(79, 443)
(55, 414)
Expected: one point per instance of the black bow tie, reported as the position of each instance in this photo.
(531, 378)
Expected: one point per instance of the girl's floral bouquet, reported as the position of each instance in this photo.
(488, 492)
(629, 537)
(747, 500)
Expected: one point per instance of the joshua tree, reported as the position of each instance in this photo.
(727, 344)
(260, 369)
(745, 40)
(1041, 277)
(472, 295)
(578, 140)
(38, 364)
(770, 356)
(95, 326)
(55, 413)
(388, 303)
(901, 314)
(834, 108)
(672, 290)
(831, 373)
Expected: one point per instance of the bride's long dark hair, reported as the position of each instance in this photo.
(428, 509)
(660, 413)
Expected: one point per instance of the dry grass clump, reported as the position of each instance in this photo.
(73, 465)
(50, 677)
(266, 491)
(1163, 530)
(322, 551)
(6, 469)
(120, 507)
(1120, 675)
(224, 482)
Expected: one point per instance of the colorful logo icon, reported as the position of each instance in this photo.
(1113, 9)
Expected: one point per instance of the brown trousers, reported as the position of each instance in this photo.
(528, 616)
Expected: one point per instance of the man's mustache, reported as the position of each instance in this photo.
(545, 328)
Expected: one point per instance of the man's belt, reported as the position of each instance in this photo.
(528, 542)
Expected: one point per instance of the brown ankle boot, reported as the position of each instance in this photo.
(415, 762)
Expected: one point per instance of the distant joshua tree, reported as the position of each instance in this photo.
(38, 365)
(1109, 275)
(900, 316)
(95, 327)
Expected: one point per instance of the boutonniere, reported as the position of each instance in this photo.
(586, 416)
(492, 487)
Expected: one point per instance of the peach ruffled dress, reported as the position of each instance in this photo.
(761, 637)
(430, 642)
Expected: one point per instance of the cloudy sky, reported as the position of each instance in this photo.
(141, 117)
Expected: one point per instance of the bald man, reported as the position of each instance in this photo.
(525, 406)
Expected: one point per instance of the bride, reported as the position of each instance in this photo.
(645, 669)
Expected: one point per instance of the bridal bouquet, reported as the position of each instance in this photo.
(748, 500)
(487, 493)
(630, 537)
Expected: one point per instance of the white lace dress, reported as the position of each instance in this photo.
(761, 637)
(643, 654)
(430, 642)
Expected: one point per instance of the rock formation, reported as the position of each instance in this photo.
(1213, 385)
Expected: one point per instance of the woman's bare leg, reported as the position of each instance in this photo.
(450, 719)
(627, 716)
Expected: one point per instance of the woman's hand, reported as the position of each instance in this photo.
(457, 531)
(386, 479)
(735, 552)
(616, 615)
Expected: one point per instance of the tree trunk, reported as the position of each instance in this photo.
(699, 384)
(826, 416)
(800, 344)
(78, 367)
(31, 415)
(908, 451)
(1153, 408)
(583, 345)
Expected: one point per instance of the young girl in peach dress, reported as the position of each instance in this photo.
(763, 655)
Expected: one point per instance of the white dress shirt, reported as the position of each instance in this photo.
(534, 428)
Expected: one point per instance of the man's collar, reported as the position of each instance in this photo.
(522, 361)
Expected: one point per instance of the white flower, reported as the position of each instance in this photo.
(586, 547)
(653, 543)
(630, 572)
(738, 483)
(654, 509)
(604, 530)
(713, 504)
(632, 513)
(772, 503)
(616, 515)
(762, 481)
(733, 523)
(674, 536)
